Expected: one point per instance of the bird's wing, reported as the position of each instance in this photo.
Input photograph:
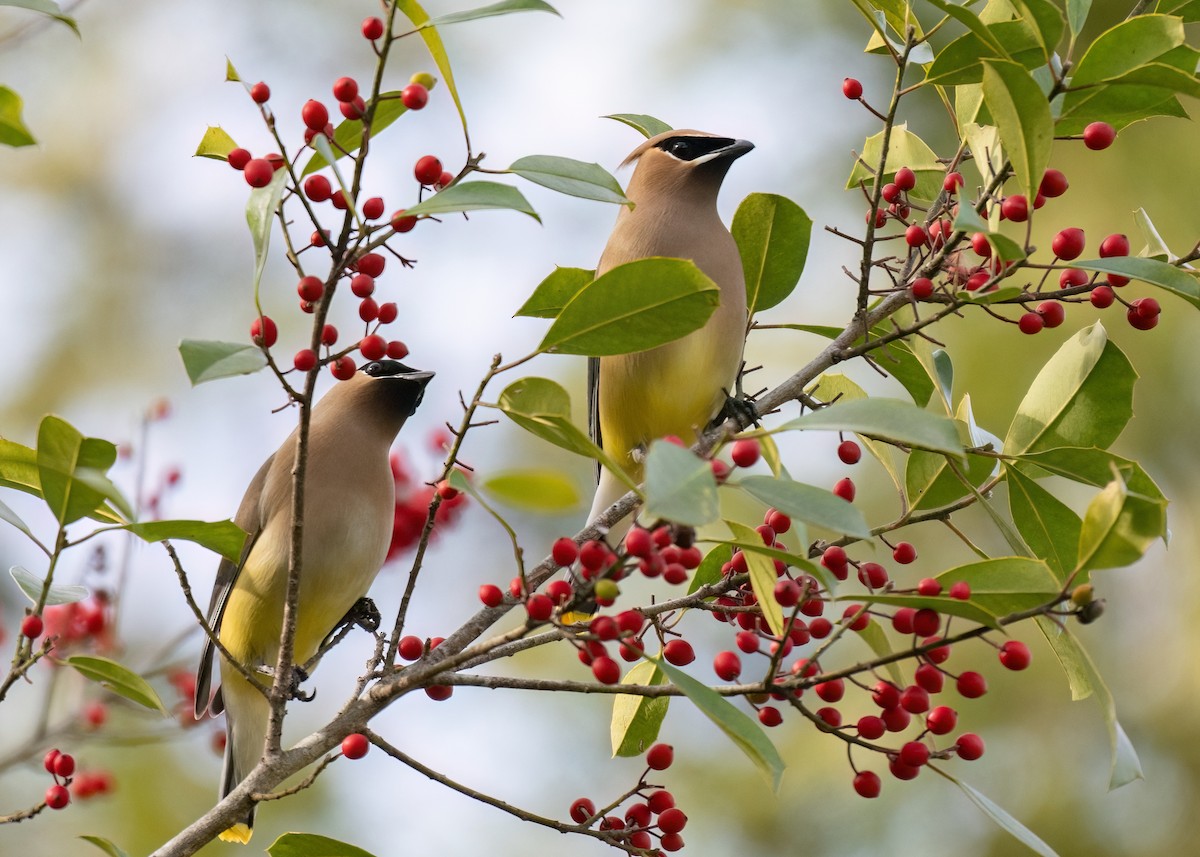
(594, 406)
(250, 520)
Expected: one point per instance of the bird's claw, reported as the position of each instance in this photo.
(364, 614)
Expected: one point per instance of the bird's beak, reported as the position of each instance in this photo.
(728, 154)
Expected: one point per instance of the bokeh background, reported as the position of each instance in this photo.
(116, 243)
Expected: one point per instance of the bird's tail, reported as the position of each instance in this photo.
(246, 716)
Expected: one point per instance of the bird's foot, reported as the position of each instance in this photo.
(299, 677)
(364, 614)
(743, 410)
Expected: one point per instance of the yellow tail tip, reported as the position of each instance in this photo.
(239, 833)
(573, 617)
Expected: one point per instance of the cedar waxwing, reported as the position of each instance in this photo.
(348, 517)
(677, 388)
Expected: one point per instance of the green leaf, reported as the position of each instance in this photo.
(1174, 280)
(72, 471)
(1005, 248)
(971, 21)
(1046, 524)
(260, 216)
(10, 517)
(533, 490)
(348, 135)
(206, 360)
(637, 719)
(1126, 46)
(221, 537)
(32, 586)
(46, 7)
(647, 125)
(18, 467)
(1119, 526)
(812, 505)
(1188, 10)
(474, 196)
(930, 481)
(433, 43)
(772, 234)
(762, 576)
(1022, 833)
(313, 845)
(120, 680)
(231, 73)
(875, 637)
(1083, 396)
(543, 408)
(905, 149)
(1045, 20)
(104, 845)
(634, 307)
(896, 358)
(680, 486)
(710, 567)
(215, 144)
(506, 7)
(891, 420)
(1091, 466)
(574, 178)
(744, 732)
(1125, 767)
(12, 127)
(1155, 247)
(969, 610)
(1004, 585)
(1022, 114)
(555, 292)
(1077, 14)
(837, 387)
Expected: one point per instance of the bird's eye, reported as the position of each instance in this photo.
(680, 149)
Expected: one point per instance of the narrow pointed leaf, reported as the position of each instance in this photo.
(12, 127)
(772, 234)
(260, 216)
(207, 360)
(119, 679)
(1119, 527)
(437, 49)
(1022, 114)
(762, 577)
(474, 196)
(313, 845)
(221, 537)
(555, 292)
(1047, 525)
(60, 593)
(108, 847)
(1083, 396)
(896, 358)
(1010, 825)
(1155, 247)
(574, 178)
(634, 307)
(710, 567)
(48, 8)
(545, 491)
(648, 126)
(506, 7)
(680, 486)
(1093, 467)
(971, 21)
(1077, 14)
(215, 144)
(1175, 280)
(890, 420)
(744, 732)
(10, 517)
(637, 719)
(810, 504)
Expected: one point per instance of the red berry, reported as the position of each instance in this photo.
(891, 192)
(428, 170)
(338, 199)
(929, 587)
(902, 619)
(263, 331)
(606, 670)
(926, 622)
(1054, 184)
(57, 797)
(679, 652)
(50, 759)
(777, 521)
(902, 771)
(660, 756)
(411, 647)
(787, 593)
(1102, 297)
(319, 238)
(372, 28)
(831, 691)
(727, 665)
(32, 626)
(368, 310)
(852, 89)
(343, 368)
(867, 784)
(582, 809)
(1015, 208)
(317, 188)
(310, 289)
(402, 223)
(952, 182)
(388, 313)
(491, 595)
(922, 288)
(914, 699)
(1072, 277)
(371, 264)
(64, 765)
(977, 281)
(564, 551)
(414, 96)
(904, 553)
(906, 179)
(373, 347)
(95, 714)
(258, 172)
(355, 746)
(870, 727)
(961, 590)
(746, 452)
(397, 350)
(879, 216)
(1114, 245)
(539, 607)
(1030, 323)
(1099, 135)
(885, 694)
(260, 92)
(1015, 655)
(969, 746)
(979, 243)
(445, 180)
(671, 820)
(315, 115)
(942, 720)
(559, 591)
(345, 89)
(844, 488)
(1143, 314)
(238, 158)
(769, 716)
(329, 335)
(873, 575)
(916, 236)
(971, 685)
(929, 677)
(914, 754)
(355, 109)
(439, 692)
(362, 285)
(1052, 312)
(747, 641)
(373, 208)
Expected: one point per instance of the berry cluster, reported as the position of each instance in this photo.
(412, 507)
(78, 625)
(652, 814)
(973, 264)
